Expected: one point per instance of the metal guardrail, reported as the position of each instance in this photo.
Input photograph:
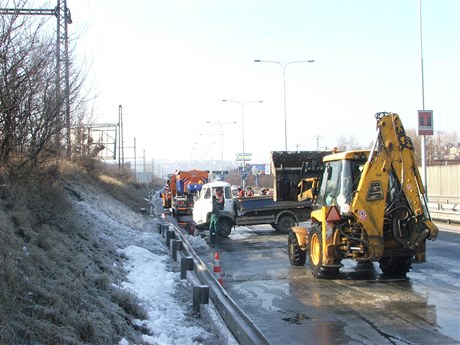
(446, 209)
(242, 327)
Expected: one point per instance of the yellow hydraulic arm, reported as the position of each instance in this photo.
(392, 152)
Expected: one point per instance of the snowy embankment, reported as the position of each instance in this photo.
(150, 273)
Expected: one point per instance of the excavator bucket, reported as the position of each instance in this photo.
(290, 167)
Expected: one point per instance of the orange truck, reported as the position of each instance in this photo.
(184, 187)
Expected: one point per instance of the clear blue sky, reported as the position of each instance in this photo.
(170, 63)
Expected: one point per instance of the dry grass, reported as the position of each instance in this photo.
(56, 276)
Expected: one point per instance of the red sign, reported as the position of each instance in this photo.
(333, 215)
(425, 122)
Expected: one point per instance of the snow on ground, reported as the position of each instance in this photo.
(150, 275)
(152, 281)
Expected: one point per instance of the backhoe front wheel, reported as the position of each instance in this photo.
(315, 254)
(297, 256)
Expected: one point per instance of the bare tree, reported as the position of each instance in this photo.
(345, 143)
(437, 146)
(29, 110)
(31, 117)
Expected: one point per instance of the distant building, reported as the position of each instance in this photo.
(454, 152)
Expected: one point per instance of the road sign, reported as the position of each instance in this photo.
(425, 122)
(240, 157)
(221, 173)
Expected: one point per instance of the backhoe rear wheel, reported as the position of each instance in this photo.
(315, 254)
(395, 265)
(297, 256)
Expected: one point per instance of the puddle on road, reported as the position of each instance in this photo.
(263, 294)
(296, 319)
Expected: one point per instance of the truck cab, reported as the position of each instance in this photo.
(203, 206)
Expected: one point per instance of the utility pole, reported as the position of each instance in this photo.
(121, 144)
(135, 160)
(62, 13)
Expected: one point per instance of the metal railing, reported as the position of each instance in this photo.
(445, 209)
(241, 326)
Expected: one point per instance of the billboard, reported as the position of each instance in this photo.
(260, 169)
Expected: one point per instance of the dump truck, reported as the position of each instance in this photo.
(282, 211)
(181, 189)
(370, 206)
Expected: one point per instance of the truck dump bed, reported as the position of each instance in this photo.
(290, 167)
(265, 203)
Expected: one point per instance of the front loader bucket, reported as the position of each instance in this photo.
(290, 167)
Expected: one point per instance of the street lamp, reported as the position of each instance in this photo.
(221, 124)
(242, 104)
(210, 142)
(284, 65)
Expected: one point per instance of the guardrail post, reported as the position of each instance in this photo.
(176, 245)
(186, 264)
(164, 229)
(200, 296)
(169, 236)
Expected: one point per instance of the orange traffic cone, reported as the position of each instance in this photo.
(217, 269)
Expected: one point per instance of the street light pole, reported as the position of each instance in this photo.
(284, 65)
(423, 143)
(211, 142)
(242, 104)
(221, 124)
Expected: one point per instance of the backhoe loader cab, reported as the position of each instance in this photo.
(371, 206)
(340, 179)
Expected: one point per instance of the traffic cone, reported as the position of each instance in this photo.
(217, 269)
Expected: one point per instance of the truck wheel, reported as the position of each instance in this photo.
(396, 265)
(225, 228)
(315, 254)
(297, 256)
(285, 223)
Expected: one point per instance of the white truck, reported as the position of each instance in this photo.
(281, 215)
(286, 208)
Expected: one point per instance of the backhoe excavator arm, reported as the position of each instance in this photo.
(392, 157)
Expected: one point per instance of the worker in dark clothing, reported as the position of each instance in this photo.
(218, 203)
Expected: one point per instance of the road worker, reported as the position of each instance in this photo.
(218, 203)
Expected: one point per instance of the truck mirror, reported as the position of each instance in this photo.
(329, 172)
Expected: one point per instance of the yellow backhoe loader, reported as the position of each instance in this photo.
(370, 206)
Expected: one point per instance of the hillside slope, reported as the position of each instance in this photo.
(63, 262)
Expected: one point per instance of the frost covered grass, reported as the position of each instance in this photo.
(81, 265)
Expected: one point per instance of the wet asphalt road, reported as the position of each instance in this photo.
(290, 306)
